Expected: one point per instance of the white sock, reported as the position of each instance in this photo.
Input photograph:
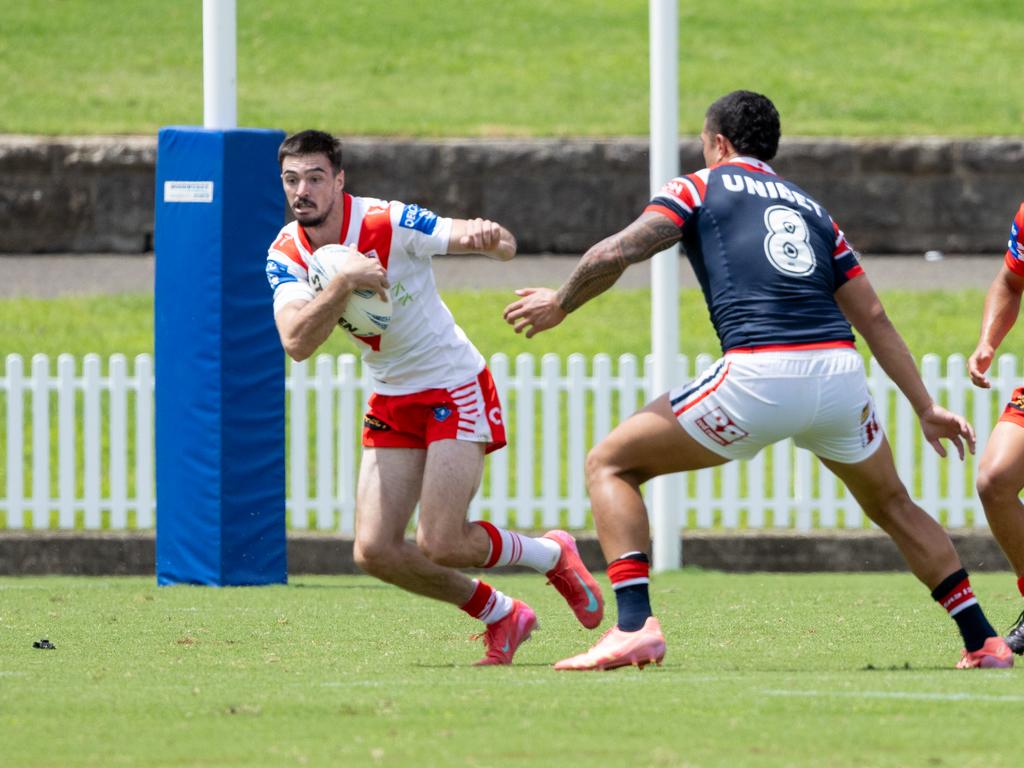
(513, 548)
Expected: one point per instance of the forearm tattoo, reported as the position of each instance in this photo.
(602, 265)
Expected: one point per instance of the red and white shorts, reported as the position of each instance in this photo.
(1014, 411)
(470, 411)
(749, 400)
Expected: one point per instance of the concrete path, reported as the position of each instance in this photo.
(45, 276)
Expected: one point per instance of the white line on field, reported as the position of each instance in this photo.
(914, 695)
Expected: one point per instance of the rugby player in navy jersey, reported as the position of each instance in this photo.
(1001, 469)
(783, 288)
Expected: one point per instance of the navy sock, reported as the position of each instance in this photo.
(957, 597)
(630, 577)
(634, 606)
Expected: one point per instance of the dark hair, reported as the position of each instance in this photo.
(749, 120)
(311, 143)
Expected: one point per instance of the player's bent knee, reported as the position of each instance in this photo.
(994, 485)
(375, 558)
(442, 550)
(600, 463)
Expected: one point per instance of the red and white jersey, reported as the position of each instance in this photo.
(1015, 247)
(422, 348)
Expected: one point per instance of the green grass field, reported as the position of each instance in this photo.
(618, 322)
(766, 670)
(521, 67)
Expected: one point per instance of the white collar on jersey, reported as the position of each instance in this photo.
(761, 165)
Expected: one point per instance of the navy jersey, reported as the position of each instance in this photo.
(767, 256)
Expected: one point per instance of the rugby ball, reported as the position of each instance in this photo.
(365, 313)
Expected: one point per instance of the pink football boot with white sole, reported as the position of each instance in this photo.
(622, 649)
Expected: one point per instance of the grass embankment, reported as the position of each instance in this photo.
(517, 68)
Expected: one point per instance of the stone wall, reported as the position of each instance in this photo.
(558, 195)
(80, 553)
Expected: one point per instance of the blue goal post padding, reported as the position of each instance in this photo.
(220, 465)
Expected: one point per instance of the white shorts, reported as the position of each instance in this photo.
(749, 400)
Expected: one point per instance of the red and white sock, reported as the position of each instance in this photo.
(488, 604)
(511, 548)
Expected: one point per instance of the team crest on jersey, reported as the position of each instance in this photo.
(372, 422)
(420, 219)
(442, 412)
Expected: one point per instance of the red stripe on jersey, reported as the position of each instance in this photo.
(674, 217)
(627, 570)
(855, 271)
(790, 347)
(706, 392)
(375, 233)
(682, 191)
(373, 342)
(698, 182)
(285, 244)
(304, 239)
(346, 210)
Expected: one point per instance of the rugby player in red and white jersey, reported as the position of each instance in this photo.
(783, 287)
(434, 412)
(1001, 469)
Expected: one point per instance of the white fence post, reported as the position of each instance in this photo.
(145, 491)
(524, 441)
(576, 454)
(91, 440)
(66, 431)
(40, 441)
(551, 439)
(349, 430)
(118, 443)
(325, 425)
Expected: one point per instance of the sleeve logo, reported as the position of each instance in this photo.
(420, 219)
(277, 273)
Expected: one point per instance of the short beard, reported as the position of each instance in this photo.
(313, 221)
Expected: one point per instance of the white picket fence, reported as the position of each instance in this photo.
(78, 446)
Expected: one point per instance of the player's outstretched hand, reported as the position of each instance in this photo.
(536, 310)
(364, 273)
(938, 423)
(978, 365)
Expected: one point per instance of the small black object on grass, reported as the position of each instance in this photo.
(44, 644)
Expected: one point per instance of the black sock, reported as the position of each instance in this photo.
(956, 596)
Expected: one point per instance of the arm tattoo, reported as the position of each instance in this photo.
(602, 265)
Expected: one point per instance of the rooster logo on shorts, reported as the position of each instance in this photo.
(442, 412)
